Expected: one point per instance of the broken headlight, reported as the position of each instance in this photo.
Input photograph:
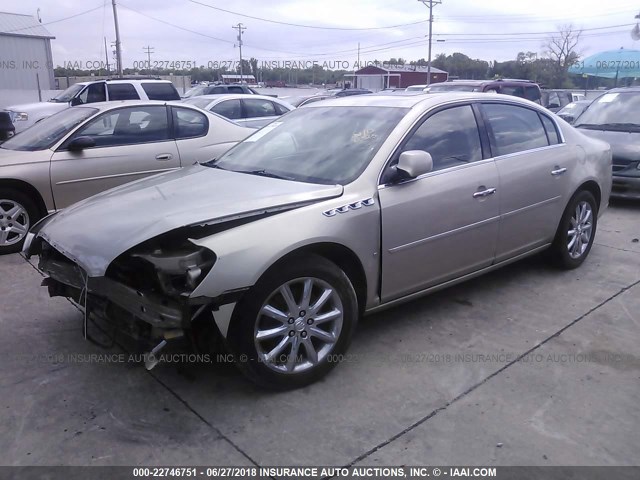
(169, 269)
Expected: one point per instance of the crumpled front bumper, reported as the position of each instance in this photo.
(66, 278)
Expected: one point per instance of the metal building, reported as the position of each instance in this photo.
(26, 62)
(376, 78)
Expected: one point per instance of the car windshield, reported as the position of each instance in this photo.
(199, 102)
(68, 94)
(48, 131)
(328, 145)
(613, 111)
(415, 88)
(451, 88)
(195, 91)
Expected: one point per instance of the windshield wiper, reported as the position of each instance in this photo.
(264, 173)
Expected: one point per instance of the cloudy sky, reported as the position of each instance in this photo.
(189, 30)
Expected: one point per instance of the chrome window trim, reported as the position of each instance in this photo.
(531, 150)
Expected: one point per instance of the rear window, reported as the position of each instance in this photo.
(160, 91)
(550, 128)
(122, 91)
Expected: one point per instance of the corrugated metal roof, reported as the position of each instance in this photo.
(26, 25)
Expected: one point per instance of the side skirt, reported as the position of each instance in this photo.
(455, 281)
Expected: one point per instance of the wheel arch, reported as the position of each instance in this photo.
(28, 189)
(592, 187)
(343, 257)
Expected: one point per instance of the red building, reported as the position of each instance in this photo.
(376, 78)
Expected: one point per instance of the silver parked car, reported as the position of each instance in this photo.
(341, 208)
(84, 150)
(253, 111)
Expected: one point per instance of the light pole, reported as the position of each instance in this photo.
(430, 4)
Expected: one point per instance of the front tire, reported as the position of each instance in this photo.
(576, 231)
(295, 324)
(17, 214)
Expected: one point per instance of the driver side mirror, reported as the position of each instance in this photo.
(75, 101)
(80, 143)
(414, 163)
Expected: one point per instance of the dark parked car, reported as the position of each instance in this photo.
(6, 126)
(302, 101)
(507, 86)
(347, 92)
(614, 118)
(569, 113)
(554, 100)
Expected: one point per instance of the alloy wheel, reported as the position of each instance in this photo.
(580, 230)
(14, 222)
(298, 326)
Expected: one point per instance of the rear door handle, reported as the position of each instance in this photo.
(164, 156)
(484, 193)
(558, 171)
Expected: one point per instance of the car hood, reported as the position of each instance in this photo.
(625, 146)
(97, 230)
(38, 107)
(17, 157)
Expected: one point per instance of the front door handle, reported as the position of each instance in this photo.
(484, 193)
(558, 171)
(164, 156)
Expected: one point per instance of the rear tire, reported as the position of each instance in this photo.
(576, 232)
(295, 324)
(18, 213)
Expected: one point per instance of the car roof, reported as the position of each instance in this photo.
(410, 101)
(102, 106)
(233, 96)
(124, 80)
(622, 90)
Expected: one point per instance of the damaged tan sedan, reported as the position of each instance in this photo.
(337, 209)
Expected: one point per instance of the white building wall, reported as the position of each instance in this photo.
(24, 61)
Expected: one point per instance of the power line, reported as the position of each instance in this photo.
(532, 33)
(301, 25)
(57, 21)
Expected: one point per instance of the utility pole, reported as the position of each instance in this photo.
(118, 43)
(106, 54)
(149, 50)
(430, 4)
(241, 28)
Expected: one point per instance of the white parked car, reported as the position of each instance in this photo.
(25, 115)
(254, 111)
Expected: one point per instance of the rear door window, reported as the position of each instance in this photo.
(514, 128)
(512, 90)
(552, 132)
(231, 109)
(189, 123)
(259, 108)
(160, 91)
(122, 91)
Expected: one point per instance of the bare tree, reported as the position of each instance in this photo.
(562, 49)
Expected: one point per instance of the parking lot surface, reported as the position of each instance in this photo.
(525, 366)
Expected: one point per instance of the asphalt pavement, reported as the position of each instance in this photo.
(528, 365)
